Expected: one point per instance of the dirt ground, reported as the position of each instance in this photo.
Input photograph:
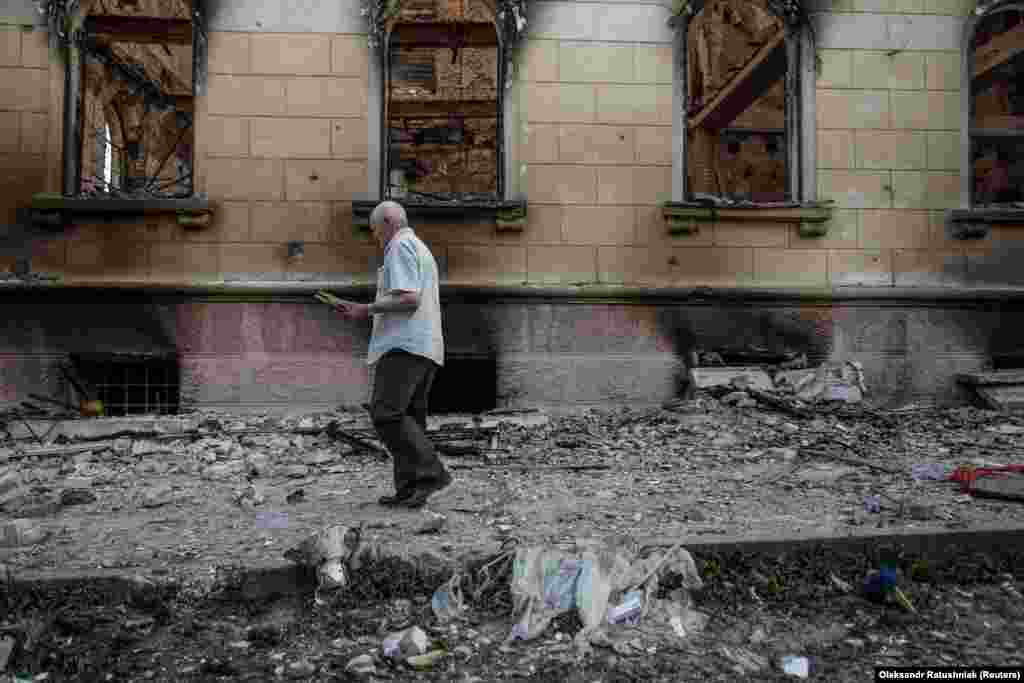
(180, 505)
(171, 505)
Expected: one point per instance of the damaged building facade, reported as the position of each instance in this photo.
(607, 186)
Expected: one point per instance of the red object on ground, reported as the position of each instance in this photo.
(967, 474)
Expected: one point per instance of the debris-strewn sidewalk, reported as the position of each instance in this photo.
(184, 495)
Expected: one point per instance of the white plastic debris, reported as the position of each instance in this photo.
(404, 644)
(796, 666)
(609, 588)
(447, 601)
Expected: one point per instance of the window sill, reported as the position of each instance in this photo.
(975, 223)
(51, 207)
(508, 216)
(685, 218)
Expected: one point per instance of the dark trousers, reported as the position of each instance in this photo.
(399, 411)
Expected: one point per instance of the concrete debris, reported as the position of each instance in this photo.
(363, 665)
(156, 496)
(6, 650)
(251, 496)
(828, 382)
(1003, 391)
(739, 377)
(433, 524)
(20, 532)
(744, 661)
(71, 496)
(10, 486)
(1008, 487)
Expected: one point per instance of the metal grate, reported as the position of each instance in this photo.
(133, 385)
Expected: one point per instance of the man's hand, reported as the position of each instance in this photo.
(353, 310)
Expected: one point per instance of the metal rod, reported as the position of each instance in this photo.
(72, 138)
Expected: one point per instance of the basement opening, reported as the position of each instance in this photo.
(465, 384)
(130, 384)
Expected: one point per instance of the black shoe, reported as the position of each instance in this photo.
(398, 498)
(425, 490)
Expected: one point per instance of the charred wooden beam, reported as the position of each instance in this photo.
(766, 67)
(140, 29)
(440, 34)
(994, 54)
(426, 109)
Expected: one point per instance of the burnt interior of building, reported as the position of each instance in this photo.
(736, 101)
(997, 108)
(137, 105)
(443, 104)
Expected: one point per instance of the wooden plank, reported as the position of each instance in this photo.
(1008, 487)
(1005, 377)
(752, 81)
(440, 34)
(140, 29)
(426, 109)
(997, 52)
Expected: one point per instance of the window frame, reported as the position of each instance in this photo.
(75, 44)
(800, 113)
(967, 132)
(502, 36)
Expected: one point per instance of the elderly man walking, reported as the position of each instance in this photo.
(406, 348)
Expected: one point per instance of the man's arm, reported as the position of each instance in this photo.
(397, 301)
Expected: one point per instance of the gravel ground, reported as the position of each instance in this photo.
(170, 506)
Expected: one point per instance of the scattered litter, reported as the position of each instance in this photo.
(404, 644)
(929, 472)
(271, 520)
(447, 601)
(335, 552)
(588, 578)
(828, 382)
(425, 661)
(629, 611)
(796, 666)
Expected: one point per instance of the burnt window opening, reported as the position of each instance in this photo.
(743, 85)
(996, 124)
(132, 385)
(444, 66)
(135, 96)
(465, 384)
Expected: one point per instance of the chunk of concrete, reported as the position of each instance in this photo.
(10, 486)
(738, 377)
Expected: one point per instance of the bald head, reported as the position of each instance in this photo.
(386, 219)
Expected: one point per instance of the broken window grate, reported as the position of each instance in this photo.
(131, 385)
